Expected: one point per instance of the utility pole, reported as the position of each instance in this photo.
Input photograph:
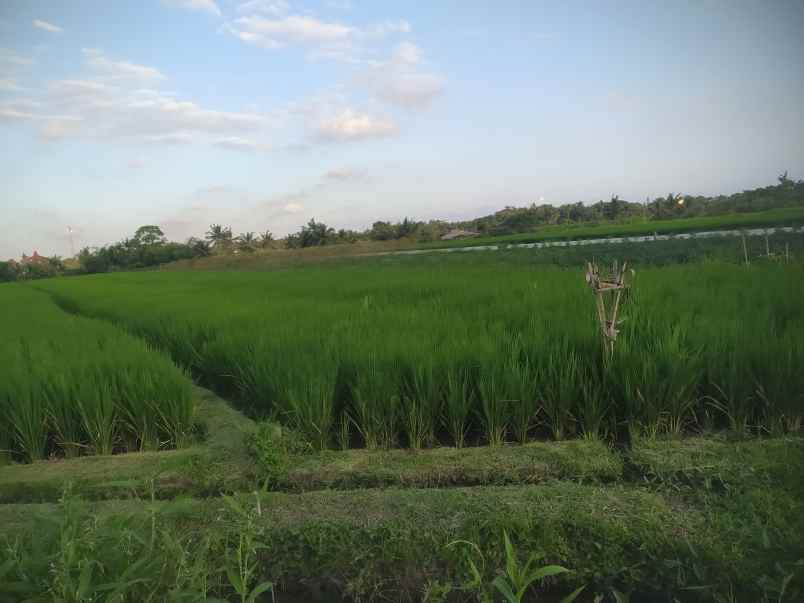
(72, 246)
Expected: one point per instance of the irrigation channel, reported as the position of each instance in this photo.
(705, 234)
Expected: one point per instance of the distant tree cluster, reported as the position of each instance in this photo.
(31, 268)
(786, 193)
(149, 247)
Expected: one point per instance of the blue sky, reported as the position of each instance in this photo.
(262, 114)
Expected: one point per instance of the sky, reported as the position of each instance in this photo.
(262, 114)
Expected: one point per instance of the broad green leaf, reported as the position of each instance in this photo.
(547, 570)
(501, 584)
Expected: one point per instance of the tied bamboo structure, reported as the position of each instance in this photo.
(608, 316)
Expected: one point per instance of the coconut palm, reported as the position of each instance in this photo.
(266, 238)
(246, 241)
(219, 236)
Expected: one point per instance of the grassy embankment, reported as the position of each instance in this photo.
(699, 518)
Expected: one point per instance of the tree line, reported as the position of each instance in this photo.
(149, 247)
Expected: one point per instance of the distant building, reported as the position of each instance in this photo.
(35, 260)
(459, 233)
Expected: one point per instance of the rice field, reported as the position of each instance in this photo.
(71, 385)
(466, 351)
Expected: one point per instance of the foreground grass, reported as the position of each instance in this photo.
(703, 518)
(649, 538)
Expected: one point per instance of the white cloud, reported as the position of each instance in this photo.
(343, 174)
(135, 163)
(387, 27)
(400, 81)
(265, 23)
(412, 90)
(235, 143)
(339, 4)
(350, 125)
(116, 70)
(269, 7)
(59, 128)
(276, 33)
(26, 110)
(8, 85)
(172, 138)
(117, 113)
(12, 114)
(406, 53)
(47, 26)
(293, 207)
(67, 89)
(208, 6)
(12, 63)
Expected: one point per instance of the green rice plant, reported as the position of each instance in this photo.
(309, 397)
(421, 406)
(255, 335)
(592, 408)
(65, 420)
(494, 412)
(731, 391)
(459, 400)
(522, 379)
(101, 421)
(70, 384)
(5, 438)
(28, 420)
(562, 387)
(376, 403)
(656, 377)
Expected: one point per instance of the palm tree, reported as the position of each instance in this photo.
(246, 240)
(219, 236)
(266, 238)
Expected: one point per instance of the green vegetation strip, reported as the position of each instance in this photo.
(223, 464)
(788, 216)
(691, 517)
(441, 467)
(395, 544)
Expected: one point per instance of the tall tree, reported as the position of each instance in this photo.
(149, 235)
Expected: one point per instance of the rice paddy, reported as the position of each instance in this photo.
(480, 363)
(381, 354)
(71, 385)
